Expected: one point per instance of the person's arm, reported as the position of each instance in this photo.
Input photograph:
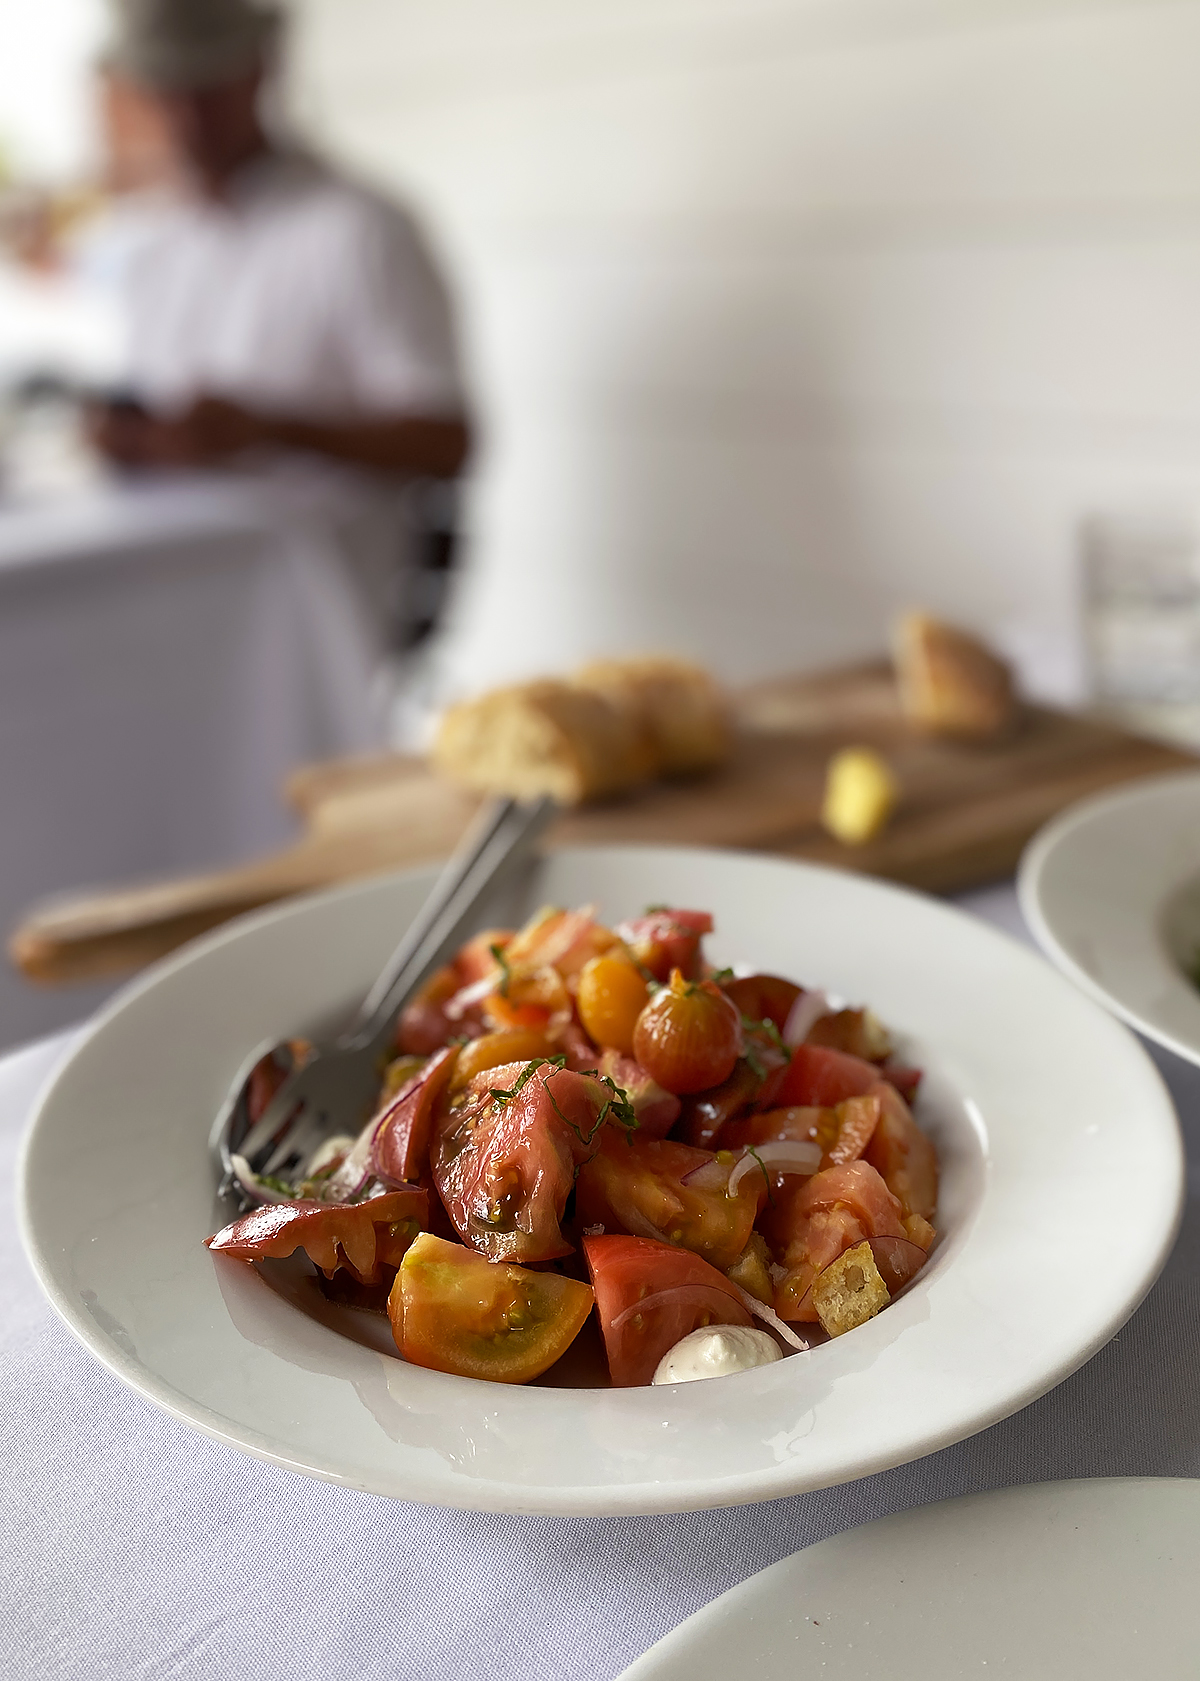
(412, 444)
(214, 429)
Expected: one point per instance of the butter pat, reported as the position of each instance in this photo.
(860, 795)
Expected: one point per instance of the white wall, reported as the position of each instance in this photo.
(785, 314)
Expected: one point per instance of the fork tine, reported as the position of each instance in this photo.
(306, 1131)
(267, 1129)
(296, 1118)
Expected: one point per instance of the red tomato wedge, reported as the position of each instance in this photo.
(504, 1155)
(902, 1155)
(819, 1077)
(454, 1311)
(843, 1132)
(815, 1220)
(907, 1081)
(364, 1238)
(400, 1150)
(755, 1082)
(763, 997)
(424, 1026)
(656, 1109)
(681, 1293)
(656, 1188)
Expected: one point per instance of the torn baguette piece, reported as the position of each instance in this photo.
(951, 684)
(850, 1291)
(677, 708)
(545, 737)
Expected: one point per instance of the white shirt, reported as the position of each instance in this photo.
(299, 294)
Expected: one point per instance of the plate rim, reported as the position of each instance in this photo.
(676, 1640)
(1031, 870)
(698, 1493)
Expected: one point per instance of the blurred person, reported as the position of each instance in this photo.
(269, 301)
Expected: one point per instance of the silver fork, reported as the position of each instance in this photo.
(333, 1088)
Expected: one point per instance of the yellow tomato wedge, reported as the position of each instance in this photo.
(454, 1311)
(493, 1050)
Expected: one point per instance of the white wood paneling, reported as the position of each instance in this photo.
(781, 315)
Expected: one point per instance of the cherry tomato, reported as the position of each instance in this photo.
(504, 1155)
(689, 1035)
(611, 997)
(365, 1238)
(456, 1312)
(903, 1156)
(681, 1292)
(655, 1188)
(664, 939)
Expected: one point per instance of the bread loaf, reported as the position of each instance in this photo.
(951, 684)
(677, 708)
(546, 737)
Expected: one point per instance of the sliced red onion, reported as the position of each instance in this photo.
(783, 1155)
(351, 1179)
(760, 1310)
(706, 1297)
(899, 1260)
(253, 1185)
(711, 1175)
(804, 1014)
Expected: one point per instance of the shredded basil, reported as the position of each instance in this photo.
(751, 1151)
(497, 952)
(273, 1183)
(524, 1077)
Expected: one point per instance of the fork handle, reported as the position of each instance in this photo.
(500, 840)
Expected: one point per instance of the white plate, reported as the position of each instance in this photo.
(1075, 1581)
(1060, 1154)
(1111, 892)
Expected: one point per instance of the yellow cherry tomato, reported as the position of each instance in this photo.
(612, 995)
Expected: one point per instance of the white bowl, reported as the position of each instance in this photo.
(1111, 892)
(1061, 1186)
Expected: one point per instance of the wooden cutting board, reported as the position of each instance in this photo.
(965, 814)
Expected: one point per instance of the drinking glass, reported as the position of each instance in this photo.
(1141, 612)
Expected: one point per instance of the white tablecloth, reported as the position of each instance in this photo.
(169, 650)
(133, 1547)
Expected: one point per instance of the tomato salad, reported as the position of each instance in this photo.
(581, 1119)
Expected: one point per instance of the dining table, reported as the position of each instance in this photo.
(134, 1547)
